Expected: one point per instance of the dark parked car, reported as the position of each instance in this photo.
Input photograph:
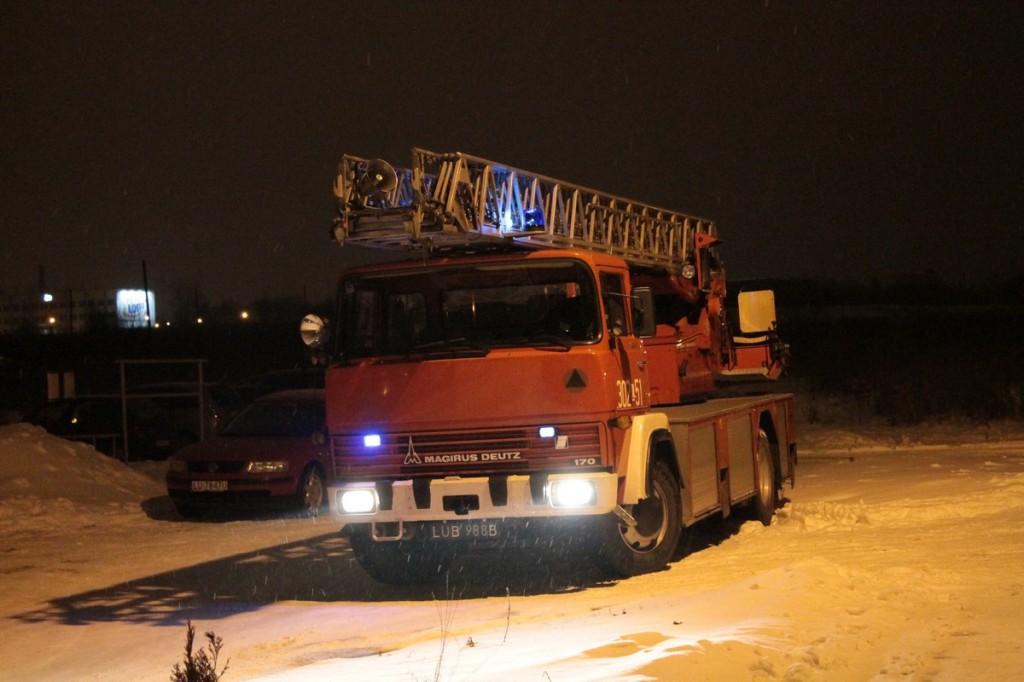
(275, 449)
(281, 380)
(97, 420)
(180, 402)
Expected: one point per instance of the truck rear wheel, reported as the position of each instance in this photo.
(649, 543)
(766, 499)
(398, 562)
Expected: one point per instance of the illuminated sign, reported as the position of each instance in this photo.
(132, 307)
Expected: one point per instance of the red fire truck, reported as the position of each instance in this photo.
(548, 360)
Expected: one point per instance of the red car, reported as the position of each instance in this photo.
(275, 449)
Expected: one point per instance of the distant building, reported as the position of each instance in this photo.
(75, 311)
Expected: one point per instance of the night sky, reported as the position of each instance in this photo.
(850, 141)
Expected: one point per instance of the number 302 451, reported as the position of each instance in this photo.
(631, 393)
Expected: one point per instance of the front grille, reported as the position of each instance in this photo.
(471, 452)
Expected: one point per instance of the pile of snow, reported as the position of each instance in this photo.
(45, 480)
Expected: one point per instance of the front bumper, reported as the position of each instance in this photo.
(458, 499)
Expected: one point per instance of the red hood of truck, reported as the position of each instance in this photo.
(506, 387)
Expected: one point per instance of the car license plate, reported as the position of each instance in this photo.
(209, 486)
(465, 530)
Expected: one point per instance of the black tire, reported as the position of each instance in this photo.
(766, 494)
(399, 562)
(311, 495)
(651, 543)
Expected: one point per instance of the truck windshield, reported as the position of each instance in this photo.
(469, 308)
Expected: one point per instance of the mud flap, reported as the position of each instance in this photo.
(724, 493)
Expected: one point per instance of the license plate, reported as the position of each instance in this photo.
(209, 486)
(465, 530)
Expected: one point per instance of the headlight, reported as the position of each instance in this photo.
(275, 467)
(573, 493)
(178, 466)
(357, 500)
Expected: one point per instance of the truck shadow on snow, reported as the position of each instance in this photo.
(323, 569)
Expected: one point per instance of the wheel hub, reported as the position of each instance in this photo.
(651, 524)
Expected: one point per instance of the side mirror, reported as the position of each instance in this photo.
(314, 331)
(643, 312)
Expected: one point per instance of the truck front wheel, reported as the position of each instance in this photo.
(648, 543)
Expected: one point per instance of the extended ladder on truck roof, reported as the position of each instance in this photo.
(457, 202)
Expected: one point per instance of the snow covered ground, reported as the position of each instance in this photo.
(897, 557)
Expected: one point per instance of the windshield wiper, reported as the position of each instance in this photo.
(550, 342)
(452, 346)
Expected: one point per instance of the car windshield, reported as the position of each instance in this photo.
(285, 418)
(469, 308)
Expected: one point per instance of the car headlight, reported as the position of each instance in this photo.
(275, 467)
(178, 466)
